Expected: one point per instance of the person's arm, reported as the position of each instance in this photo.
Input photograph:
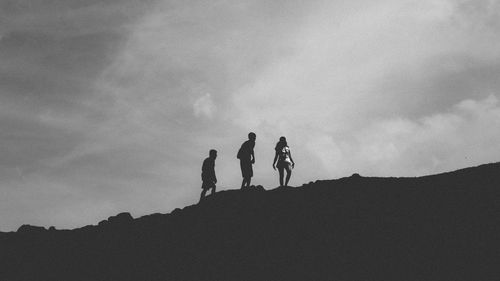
(252, 153)
(213, 172)
(291, 159)
(204, 168)
(275, 158)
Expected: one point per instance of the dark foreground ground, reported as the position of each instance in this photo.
(442, 227)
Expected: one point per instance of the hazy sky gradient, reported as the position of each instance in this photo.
(109, 106)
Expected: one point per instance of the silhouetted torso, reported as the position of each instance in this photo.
(283, 156)
(247, 158)
(208, 177)
(208, 170)
(246, 150)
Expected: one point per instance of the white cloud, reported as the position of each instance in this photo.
(372, 83)
(204, 106)
(389, 87)
(327, 150)
(469, 134)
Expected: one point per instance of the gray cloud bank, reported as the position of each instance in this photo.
(109, 106)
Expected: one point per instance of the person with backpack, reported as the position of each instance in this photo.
(247, 159)
(283, 159)
(208, 177)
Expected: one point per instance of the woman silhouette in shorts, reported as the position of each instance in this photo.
(283, 160)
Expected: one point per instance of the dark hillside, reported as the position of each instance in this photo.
(440, 227)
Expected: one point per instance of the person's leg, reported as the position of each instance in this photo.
(245, 172)
(245, 182)
(281, 170)
(288, 174)
(202, 196)
(213, 190)
(249, 173)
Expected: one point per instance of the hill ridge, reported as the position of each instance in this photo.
(436, 227)
(125, 216)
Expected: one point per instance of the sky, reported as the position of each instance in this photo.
(110, 106)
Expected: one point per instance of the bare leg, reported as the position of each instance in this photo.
(288, 175)
(213, 190)
(280, 170)
(202, 196)
(245, 182)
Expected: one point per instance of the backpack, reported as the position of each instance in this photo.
(240, 153)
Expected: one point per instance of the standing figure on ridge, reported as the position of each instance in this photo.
(284, 158)
(208, 177)
(247, 159)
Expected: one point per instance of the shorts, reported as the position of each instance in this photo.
(284, 165)
(246, 168)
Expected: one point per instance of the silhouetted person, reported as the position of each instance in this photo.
(247, 158)
(208, 174)
(285, 161)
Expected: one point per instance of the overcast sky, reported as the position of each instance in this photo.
(109, 106)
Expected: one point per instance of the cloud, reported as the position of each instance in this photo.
(361, 83)
(101, 101)
(326, 149)
(204, 106)
(51, 55)
(466, 135)
(51, 112)
(376, 58)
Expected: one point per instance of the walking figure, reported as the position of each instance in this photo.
(284, 158)
(208, 177)
(247, 159)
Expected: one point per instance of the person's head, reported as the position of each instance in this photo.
(282, 143)
(252, 136)
(213, 153)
